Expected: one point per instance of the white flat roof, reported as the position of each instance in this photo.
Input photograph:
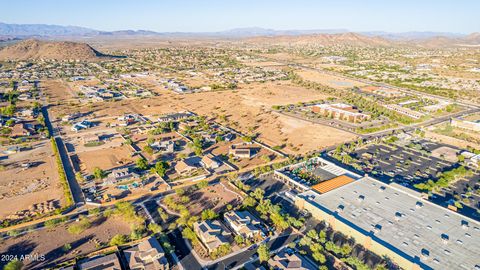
(418, 230)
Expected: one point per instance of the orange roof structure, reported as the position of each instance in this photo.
(332, 184)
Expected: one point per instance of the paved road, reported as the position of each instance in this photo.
(183, 252)
(77, 194)
(245, 256)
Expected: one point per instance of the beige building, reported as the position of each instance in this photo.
(341, 111)
(243, 223)
(284, 261)
(461, 123)
(405, 111)
(212, 234)
(147, 255)
(398, 223)
(108, 262)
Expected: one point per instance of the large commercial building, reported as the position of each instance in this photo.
(405, 111)
(465, 124)
(340, 111)
(394, 221)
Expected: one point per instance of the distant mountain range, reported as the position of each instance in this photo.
(24, 31)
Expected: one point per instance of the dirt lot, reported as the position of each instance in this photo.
(58, 91)
(50, 242)
(105, 159)
(38, 184)
(214, 197)
(329, 80)
(247, 109)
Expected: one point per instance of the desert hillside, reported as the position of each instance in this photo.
(58, 50)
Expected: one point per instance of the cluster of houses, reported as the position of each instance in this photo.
(214, 233)
(94, 93)
(147, 254)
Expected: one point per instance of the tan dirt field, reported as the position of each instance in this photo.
(37, 184)
(214, 197)
(247, 110)
(50, 242)
(106, 159)
(329, 80)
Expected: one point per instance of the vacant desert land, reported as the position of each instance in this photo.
(50, 242)
(106, 159)
(38, 184)
(58, 91)
(215, 197)
(247, 110)
(329, 80)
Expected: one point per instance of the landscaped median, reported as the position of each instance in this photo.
(62, 176)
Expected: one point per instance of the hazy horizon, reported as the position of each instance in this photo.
(214, 16)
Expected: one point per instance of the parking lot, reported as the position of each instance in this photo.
(267, 183)
(400, 164)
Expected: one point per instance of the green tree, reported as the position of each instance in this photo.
(118, 240)
(99, 173)
(208, 214)
(239, 239)
(155, 228)
(180, 191)
(13, 265)
(263, 253)
(319, 257)
(79, 177)
(142, 164)
(249, 201)
(202, 184)
(161, 168)
(258, 193)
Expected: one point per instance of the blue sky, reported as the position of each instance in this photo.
(461, 16)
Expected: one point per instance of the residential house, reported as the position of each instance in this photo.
(284, 260)
(146, 255)
(166, 147)
(82, 125)
(120, 175)
(240, 152)
(175, 117)
(208, 161)
(184, 168)
(212, 233)
(243, 223)
(108, 262)
(19, 130)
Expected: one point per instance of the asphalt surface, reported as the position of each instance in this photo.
(245, 256)
(77, 194)
(183, 252)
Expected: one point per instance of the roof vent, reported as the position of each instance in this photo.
(445, 238)
(460, 242)
(447, 252)
(398, 215)
(361, 198)
(425, 253)
(377, 228)
(468, 235)
(340, 208)
(419, 204)
(381, 189)
(464, 224)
